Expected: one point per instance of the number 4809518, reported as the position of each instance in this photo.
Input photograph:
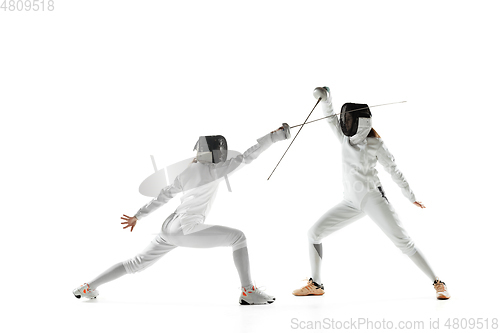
(27, 5)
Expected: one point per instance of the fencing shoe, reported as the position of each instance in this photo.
(441, 289)
(255, 296)
(311, 289)
(85, 291)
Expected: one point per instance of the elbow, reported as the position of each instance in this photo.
(248, 160)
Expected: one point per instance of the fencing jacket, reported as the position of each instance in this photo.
(200, 182)
(359, 161)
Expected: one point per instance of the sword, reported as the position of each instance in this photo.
(371, 106)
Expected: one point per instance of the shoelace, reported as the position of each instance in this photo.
(255, 290)
(261, 288)
(309, 285)
(260, 292)
(439, 286)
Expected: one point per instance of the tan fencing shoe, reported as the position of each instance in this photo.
(441, 289)
(311, 289)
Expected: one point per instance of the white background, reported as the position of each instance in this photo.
(90, 90)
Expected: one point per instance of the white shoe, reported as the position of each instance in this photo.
(84, 291)
(255, 296)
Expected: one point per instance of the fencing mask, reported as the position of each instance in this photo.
(212, 149)
(355, 121)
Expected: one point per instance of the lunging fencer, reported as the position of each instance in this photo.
(186, 226)
(361, 148)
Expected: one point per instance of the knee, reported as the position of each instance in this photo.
(406, 245)
(240, 240)
(135, 264)
(313, 236)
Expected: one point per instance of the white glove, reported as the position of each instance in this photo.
(281, 133)
(322, 92)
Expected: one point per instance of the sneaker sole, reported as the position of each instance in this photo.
(80, 296)
(309, 294)
(243, 302)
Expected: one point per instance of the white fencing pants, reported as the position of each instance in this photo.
(380, 211)
(189, 231)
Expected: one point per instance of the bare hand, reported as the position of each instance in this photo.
(131, 222)
(419, 204)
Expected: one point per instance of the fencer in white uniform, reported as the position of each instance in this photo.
(186, 226)
(363, 192)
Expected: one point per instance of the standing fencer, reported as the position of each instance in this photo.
(186, 227)
(361, 148)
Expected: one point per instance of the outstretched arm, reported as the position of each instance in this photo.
(224, 168)
(165, 195)
(388, 162)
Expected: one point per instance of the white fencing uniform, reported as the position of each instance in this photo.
(186, 227)
(363, 195)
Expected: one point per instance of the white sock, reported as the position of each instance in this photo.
(114, 272)
(242, 264)
(420, 261)
(315, 257)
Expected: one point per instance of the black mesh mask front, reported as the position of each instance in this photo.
(349, 117)
(216, 144)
